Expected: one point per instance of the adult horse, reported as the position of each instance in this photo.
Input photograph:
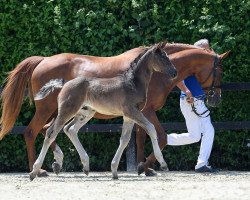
(36, 71)
(123, 95)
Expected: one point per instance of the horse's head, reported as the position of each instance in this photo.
(210, 79)
(161, 62)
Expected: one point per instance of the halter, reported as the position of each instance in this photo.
(211, 89)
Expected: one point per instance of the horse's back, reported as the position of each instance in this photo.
(69, 66)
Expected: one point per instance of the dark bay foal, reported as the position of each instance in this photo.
(124, 95)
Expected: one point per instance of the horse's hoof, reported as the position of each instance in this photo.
(32, 176)
(150, 172)
(86, 172)
(115, 177)
(140, 168)
(56, 168)
(164, 168)
(42, 173)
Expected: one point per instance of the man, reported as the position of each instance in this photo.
(197, 119)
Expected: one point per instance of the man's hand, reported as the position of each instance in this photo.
(190, 98)
(182, 86)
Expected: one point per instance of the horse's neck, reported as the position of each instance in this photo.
(142, 73)
(191, 62)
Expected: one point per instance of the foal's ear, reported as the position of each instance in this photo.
(224, 55)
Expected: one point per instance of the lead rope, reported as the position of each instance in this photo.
(195, 111)
(200, 114)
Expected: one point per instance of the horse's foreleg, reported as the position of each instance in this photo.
(71, 130)
(124, 140)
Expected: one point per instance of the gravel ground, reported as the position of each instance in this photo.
(99, 185)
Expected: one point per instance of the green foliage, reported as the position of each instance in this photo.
(110, 27)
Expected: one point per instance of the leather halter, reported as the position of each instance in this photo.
(211, 89)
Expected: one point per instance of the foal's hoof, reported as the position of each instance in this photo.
(164, 168)
(140, 168)
(86, 172)
(32, 176)
(115, 177)
(150, 172)
(42, 173)
(56, 168)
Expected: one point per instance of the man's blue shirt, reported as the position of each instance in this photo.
(194, 86)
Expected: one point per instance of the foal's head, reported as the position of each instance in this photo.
(160, 62)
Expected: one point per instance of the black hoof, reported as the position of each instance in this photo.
(56, 168)
(86, 172)
(150, 172)
(140, 168)
(32, 176)
(115, 177)
(164, 168)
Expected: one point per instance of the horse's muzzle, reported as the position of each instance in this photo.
(214, 101)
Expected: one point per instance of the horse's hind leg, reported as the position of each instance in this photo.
(124, 139)
(71, 130)
(142, 121)
(36, 124)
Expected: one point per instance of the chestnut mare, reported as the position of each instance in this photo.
(123, 95)
(36, 71)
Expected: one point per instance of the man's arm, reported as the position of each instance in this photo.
(184, 88)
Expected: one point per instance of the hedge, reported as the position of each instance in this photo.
(110, 27)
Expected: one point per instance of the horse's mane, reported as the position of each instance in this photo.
(187, 46)
(171, 48)
(135, 62)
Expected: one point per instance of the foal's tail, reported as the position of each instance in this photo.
(48, 88)
(13, 92)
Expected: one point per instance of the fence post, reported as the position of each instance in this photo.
(131, 153)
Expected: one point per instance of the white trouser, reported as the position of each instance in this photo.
(197, 127)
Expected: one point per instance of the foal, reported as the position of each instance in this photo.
(124, 95)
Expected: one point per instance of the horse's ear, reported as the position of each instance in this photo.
(156, 47)
(224, 55)
(162, 44)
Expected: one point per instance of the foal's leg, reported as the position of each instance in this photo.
(44, 110)
(65, 113)
(142, 121)
(124, 139)
(71, 131)
(162, 141)
(51, 134)
(58, 154)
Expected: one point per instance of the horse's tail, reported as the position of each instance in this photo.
(13, 92)
(48, 88)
